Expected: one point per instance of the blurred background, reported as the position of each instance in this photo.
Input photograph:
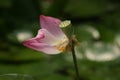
(97, 27)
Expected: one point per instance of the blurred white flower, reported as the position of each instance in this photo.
(21, 36)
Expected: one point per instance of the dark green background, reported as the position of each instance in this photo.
(87, 17)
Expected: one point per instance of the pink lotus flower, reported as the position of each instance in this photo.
(50, 38)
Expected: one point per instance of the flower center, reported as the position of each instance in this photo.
(61, 44)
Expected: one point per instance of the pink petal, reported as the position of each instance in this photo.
(32, 43)
(48, 38)
(44, 41)
(51, 24)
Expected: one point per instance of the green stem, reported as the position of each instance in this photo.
(75, 60)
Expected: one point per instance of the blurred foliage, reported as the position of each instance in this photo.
(96, 25)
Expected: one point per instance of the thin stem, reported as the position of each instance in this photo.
(75, 60)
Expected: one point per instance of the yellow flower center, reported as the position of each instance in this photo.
(61, 44)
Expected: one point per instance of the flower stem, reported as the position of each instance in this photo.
(75, 60)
